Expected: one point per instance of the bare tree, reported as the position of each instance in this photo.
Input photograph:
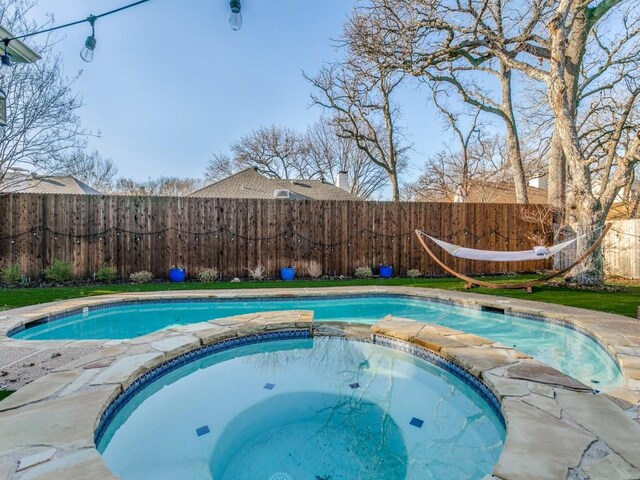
(90, 168)
(274, 151)
(320, 153)
(601, 158)
(552, 43)
(163, 186)
(43, 124)
(219, 167)
(359, 93)
(476, 168)
(328, 154)
(460, 175)
(417, 38)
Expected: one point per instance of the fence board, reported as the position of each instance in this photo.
(621, 249)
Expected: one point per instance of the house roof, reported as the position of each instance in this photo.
(503, 192)
(19, 51)
(250, 183)
(48, 184)
(483, 191)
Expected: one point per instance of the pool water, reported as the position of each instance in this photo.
(326, 408)
(569, 351)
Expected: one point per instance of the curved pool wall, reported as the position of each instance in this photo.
(249, 407)
(562, 345)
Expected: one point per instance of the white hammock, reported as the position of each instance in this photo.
(536, 253)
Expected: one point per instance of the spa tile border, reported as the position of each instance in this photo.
(447, 365)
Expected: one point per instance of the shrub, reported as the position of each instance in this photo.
(11, 275)
(141, 277)
(314, 270)
(257, 273)
(363, 272)
(59, 272)
(414, 273)
(208, 275)
(106, 274)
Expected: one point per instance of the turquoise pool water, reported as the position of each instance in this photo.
(569, 351)
(328, 409)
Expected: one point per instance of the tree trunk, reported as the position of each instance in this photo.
(515, 158)
(557, 176)
(395, 188)
(513, 142)
(562, 100)
(591, 270)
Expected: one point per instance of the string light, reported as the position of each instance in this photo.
(5, 62)
(286, 234)
(235, 15)
(235, 21)
(90, 43)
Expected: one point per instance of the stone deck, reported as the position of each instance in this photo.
(556, 427)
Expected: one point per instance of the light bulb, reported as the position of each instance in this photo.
(235, 17)
(235, 20)
(5, 67)
(87, 51)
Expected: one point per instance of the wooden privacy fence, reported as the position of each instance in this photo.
(156, 233)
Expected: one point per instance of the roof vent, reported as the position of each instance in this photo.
(281, 194)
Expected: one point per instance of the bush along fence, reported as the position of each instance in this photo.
(233, 236)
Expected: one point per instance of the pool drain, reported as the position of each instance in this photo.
(280, 476)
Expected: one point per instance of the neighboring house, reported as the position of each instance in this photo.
(250, 183)
(503, 192)
(21, 183)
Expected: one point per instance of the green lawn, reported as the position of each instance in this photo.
(622, 302)
(5, 393)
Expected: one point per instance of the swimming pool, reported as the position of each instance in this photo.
(565, 349)
(296, 409)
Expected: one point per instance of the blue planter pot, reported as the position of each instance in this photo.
(386, 271)
(287, 273)
(177, 275)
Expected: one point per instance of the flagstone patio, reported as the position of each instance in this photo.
(556, 426)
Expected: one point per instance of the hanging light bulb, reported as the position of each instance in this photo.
(90, 43)
(235, 16)
(5, 66)
(5, 61)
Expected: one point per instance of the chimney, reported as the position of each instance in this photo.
(343, 180)
(540, 182)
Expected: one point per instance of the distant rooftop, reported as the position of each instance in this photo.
(21, 183)
(250, 183)
(503, 192)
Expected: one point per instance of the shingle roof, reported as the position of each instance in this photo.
(251, 184)
(61, 185)
(503, 192)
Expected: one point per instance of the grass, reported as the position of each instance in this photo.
(622, 302)
(4, 394)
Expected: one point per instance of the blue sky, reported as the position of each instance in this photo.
(171, 83)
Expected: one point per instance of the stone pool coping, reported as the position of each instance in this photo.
(619, 335)
(556, 427)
